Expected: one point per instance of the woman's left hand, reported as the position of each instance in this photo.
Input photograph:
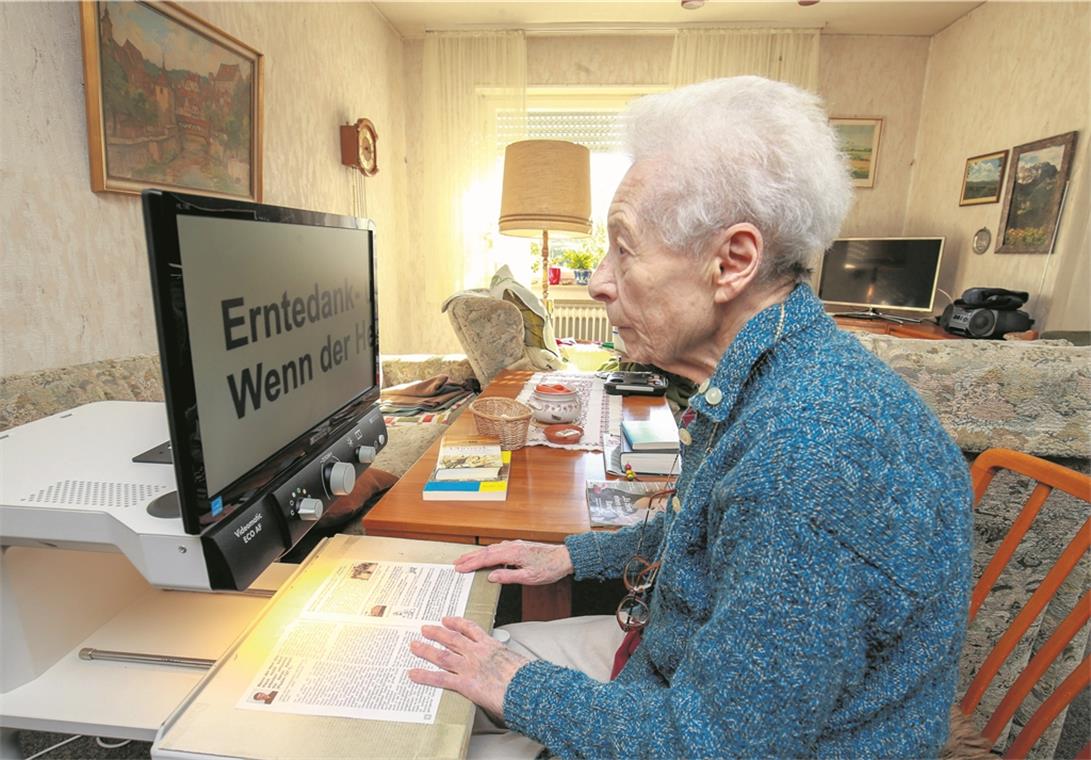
(473, 663)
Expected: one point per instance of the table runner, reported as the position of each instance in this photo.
(599, 412)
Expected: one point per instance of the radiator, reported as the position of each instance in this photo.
(583, 321)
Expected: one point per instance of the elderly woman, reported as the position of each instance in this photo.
(806, 588)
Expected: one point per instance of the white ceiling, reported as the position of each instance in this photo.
(920, 17)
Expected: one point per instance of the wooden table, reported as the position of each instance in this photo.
(546, 500)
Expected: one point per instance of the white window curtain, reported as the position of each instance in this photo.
(467, 77)
(788, 55)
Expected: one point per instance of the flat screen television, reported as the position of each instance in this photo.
(268, 342)
(896, 273)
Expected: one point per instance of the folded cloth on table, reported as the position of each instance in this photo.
(428, 387)
(435, 402)
(440, 416)
(437, 385)
(430, 395)
(412, 411)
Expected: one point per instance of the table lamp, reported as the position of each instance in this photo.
(547, 188)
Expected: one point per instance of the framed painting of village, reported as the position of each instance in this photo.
(172, 102)
(1033, 194)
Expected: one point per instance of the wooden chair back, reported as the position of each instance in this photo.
(1049, 476)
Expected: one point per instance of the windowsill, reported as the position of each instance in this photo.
(566, 292)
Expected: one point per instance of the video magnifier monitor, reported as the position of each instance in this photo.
(267, 333)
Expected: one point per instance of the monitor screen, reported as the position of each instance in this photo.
(267, 334)
(898, 273)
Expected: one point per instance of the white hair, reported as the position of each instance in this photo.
(743, 149)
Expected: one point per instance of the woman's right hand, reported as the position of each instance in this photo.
(524, 562)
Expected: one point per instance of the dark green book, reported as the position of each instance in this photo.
(658, 434)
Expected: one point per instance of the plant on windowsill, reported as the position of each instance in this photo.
(581, 263)
(579, 256)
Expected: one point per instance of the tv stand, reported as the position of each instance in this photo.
(874, 314)
(926, 330)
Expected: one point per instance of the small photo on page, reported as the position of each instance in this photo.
(364, 570)
(263, 697)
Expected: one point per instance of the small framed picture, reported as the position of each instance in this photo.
(982, 181)
(1033, 193)
(859, 138)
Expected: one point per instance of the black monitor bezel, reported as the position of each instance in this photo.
(161, 211)
(935, 277)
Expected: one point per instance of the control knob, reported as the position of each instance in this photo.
(340, 478)
(365, 454)
(310, 509)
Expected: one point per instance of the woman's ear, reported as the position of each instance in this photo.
(737, 257)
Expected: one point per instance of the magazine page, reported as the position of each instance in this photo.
(347, 653)
(403, 592)
(617, 503)
(343, 669)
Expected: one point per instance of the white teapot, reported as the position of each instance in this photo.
(552, 403)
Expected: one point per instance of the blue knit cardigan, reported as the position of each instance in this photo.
(816, 570)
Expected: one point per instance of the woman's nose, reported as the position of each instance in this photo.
(601, 287)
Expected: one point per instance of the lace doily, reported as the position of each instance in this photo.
(599, 412)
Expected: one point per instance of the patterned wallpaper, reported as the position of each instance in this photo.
(75, 285)
(871, 76)
(1004, 75)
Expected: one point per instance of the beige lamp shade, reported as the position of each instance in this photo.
(547, 187)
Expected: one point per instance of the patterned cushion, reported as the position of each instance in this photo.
(404, 368)
(31, 396)
(25, 398)
(490, 331)
(1031, 396)
(503, 326)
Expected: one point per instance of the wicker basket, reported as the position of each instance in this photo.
(502, 418)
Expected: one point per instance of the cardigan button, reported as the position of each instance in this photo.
(714, 396)
(685, 437)
(703, 387)
(676, 505)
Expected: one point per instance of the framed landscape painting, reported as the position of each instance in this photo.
(859, 139)
(981, 182)
(1033, 194)
(172, 102)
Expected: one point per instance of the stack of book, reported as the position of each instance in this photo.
(469, 467)
(650, 447)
